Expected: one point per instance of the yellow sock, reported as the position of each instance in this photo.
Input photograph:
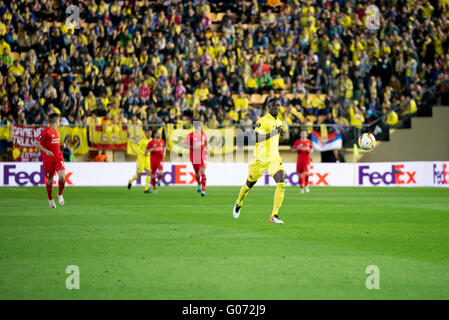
(242, 195)
(134, 178)
(278, 197)
(147, 182)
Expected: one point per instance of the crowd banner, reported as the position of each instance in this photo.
(134, 134)
(23, 143)
(75, 137)
(380, 174)
(323, 141)
(108, 136)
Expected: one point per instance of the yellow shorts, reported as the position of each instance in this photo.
(257, 169)
(143, 164)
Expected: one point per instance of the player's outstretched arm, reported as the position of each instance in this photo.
(41, 148)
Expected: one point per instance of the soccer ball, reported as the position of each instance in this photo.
(367, 141)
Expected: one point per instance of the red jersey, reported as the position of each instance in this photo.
(158, 147)
(49, 139)
(197, 143)
(303, 155)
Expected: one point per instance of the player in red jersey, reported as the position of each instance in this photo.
(157, 149)
(197, 142)
(48, 142)
(303, 146)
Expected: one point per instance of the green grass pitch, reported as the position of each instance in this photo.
(177, 245)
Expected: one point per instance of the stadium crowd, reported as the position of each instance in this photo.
(152, 61)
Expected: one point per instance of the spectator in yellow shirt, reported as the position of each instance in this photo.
(278, 82)
(411, 107)
(202, 92)
(17, 69)
(4, 44)
(241, 102)
(391, 119)
(356, 117)
(252, 84)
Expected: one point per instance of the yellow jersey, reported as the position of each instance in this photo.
(141, 149)
(268, 150)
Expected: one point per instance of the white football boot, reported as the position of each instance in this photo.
(61, 200)
(307, 189)
(236, 211)
(52, 203)
(275, 219)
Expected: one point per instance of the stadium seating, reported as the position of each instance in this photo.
(293, 29)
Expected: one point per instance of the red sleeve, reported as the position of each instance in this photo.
(42, 136)
(296, 144)
(149, 145)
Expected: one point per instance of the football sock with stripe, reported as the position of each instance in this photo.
(153, 182)
(242, 195)
(147, 182)
(61, 186)
(203, 182)
(49, 191)
(134, 178)
(278, 197)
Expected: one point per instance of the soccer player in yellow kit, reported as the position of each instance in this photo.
(143, 162)
(266, 159)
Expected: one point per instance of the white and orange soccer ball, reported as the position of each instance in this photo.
(367, 141)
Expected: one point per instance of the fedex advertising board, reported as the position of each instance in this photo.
(396, 174)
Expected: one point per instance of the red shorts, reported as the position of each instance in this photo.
(156, 165)
(198, 166)
(302, 166)
(53, 165)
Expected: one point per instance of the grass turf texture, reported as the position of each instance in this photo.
(178, 245)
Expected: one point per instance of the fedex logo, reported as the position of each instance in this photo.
(440, 177)
(179, 174)
(23, 178)
(395, 176)
(315, 178)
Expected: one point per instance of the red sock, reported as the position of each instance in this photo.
(61, 186)
(301, 183)
(307, 179)
(198, 178)
(153, 182)
(49, 191)
(203, 182)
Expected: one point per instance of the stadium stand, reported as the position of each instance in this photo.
(155, 60)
